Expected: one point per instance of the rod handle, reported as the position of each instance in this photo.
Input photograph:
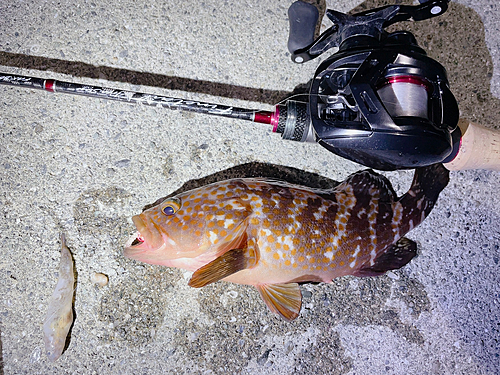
(479, 148)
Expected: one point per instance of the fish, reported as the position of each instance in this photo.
(275, 236)
(59, 316)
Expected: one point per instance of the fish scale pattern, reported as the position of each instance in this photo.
(272, 234)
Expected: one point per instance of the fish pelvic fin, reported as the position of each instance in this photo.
(282, 299)
(223, 266)
(396, 256)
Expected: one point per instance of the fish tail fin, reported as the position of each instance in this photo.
(418, 202)
(430, 181)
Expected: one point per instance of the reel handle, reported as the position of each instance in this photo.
(303, 18)
(479, 148)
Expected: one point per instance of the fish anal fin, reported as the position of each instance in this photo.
(228, 263)
(282, 299)
(396, 256)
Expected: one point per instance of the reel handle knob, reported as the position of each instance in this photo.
(303, 18)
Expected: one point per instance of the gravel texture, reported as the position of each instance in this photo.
(85, 166)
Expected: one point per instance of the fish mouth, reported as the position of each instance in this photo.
(134, 245)
(146, 238)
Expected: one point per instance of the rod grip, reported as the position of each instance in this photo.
(479, 148)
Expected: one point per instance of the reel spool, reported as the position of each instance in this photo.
(379, 100)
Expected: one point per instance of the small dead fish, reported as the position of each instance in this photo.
(60, 313)
(274, 235)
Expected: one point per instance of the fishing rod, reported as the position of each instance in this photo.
(378, 100)
(289, 119)
(154, 100)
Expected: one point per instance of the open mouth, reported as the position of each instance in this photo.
(139, 239)
(136, 247)
(146, 238)
(135, 241)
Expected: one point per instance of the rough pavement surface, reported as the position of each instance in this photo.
(85, 166)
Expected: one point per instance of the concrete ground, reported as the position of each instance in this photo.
(85, 166)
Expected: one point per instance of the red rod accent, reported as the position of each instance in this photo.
(264, 117)
(49, 85)
(275, 118)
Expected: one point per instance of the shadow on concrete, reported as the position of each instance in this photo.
(257, 169)
(81, 69)
(460, 46)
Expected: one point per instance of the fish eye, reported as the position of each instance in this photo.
(171, 206)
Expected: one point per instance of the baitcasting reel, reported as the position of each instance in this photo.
(379, 100)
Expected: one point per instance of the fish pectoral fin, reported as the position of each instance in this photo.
(228, 263)
(239, 239)
(282, 299)
(396, 256)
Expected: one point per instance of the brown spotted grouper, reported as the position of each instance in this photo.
(274, 235)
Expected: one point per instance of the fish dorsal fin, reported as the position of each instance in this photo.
(282, 299)
(223, 266)
(396, 256)
(363, 182)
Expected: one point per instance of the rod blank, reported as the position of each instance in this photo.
(52, 85)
